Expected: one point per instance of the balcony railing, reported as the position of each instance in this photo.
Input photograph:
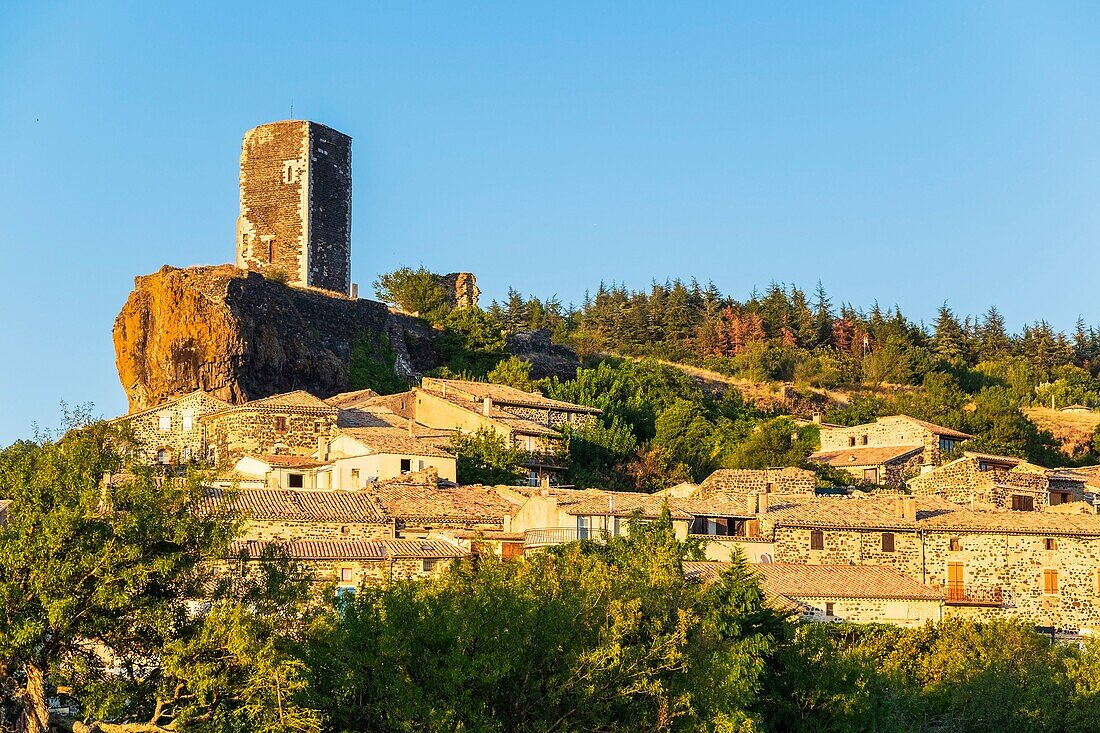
(549, 536)
(959, 595)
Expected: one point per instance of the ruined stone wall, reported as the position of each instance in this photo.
(461, 289)
(898, 472)
(955, 481)
(235, 433)
(329, 253)
(274, 193)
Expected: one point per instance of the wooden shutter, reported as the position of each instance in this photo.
(817, 539)
(955, 589)
(1050, 581)
(887, 541)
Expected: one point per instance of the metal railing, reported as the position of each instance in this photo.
(958, 594)
(547, 536)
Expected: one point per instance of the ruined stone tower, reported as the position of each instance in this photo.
(295, 219)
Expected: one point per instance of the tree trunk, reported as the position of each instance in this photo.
(36, 708)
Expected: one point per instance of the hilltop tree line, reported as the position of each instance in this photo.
(124, 611)
(659, 426)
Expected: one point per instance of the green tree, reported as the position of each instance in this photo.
(414, 291)
(776, 442)
(485, 457)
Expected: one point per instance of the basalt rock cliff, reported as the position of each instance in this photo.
(242, 336)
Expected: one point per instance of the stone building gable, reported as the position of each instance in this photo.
(171, 432)
(295, 423)
(896, 430)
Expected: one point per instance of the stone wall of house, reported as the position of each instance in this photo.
(183, 440)
(898, 472)
(963, 480)
(234, 433)
(899, 612)
(775, 480)
(886, 431)
(1008, 566)
(329, 209)
(551, 418)
(266, 530)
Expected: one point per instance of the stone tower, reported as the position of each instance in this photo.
(295, 217)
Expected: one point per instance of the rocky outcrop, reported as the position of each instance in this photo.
(241, 336)
(547, 358)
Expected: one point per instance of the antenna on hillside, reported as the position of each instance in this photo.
(292, 109)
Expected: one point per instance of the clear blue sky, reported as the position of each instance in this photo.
(906, 154)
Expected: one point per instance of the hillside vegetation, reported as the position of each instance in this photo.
(701, 380)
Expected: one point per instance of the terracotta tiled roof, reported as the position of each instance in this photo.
(842, 581)
(304, 505)
(395, 440)
(609, 503)
(826, 581)
(939, 429)
(366, 550)
(518, 424)
(933, 514)
(869, 456)
(462, 505)
(350, 399)
(505, 395)
(296, 400)
(707, 572)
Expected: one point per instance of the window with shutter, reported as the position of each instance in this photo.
(887, 541)
(817, 540)
(1050, 582)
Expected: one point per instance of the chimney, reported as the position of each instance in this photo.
(816, 417)
(751, 502)
(764, 503)
(907, 508)
(322, 448)
(412, 432)
(487, 406)
(610, 504)
(355, 290)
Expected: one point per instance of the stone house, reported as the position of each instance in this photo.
(171, 433)
(551, 516)
(295, 423)
(1037, 567)
(351, 564)
(290, 515)
(885, 466)
(282, 472)
(1000, 482)
(850, 448)
(840, 593)
(417, 506)
(362, 455)
(524, 419)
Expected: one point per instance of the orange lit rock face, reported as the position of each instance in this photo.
(242, 337)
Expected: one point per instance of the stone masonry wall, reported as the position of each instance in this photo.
(274, 193)
(906, 613)
(266, 530)
(183, 440)
(235, 433)
(742, 481)
(329, 254)
(1009, 564)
